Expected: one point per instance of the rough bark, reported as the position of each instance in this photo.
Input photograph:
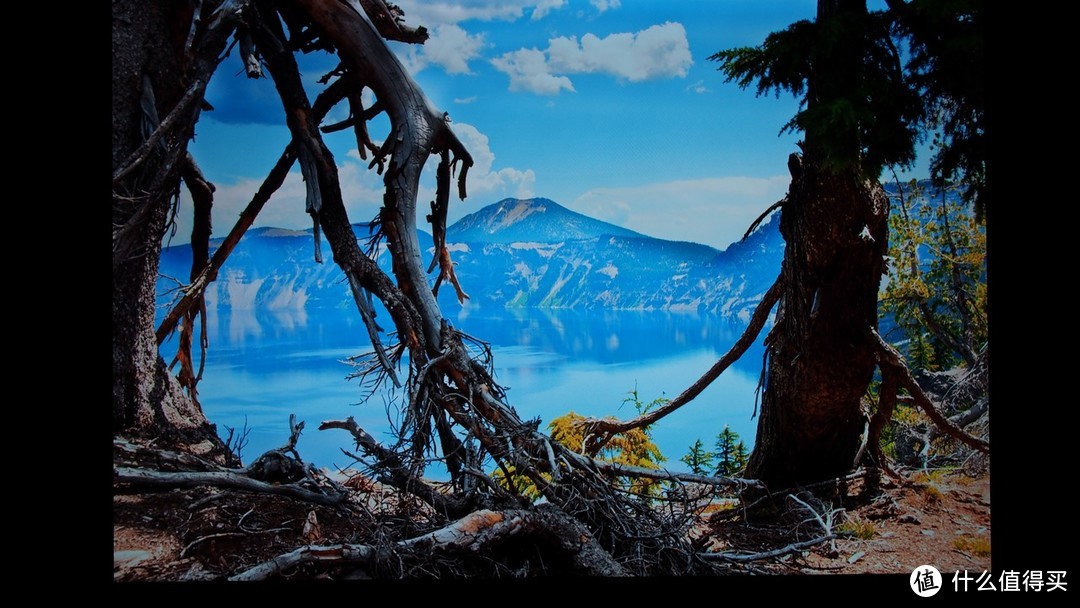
(154, 74)
(820, 357)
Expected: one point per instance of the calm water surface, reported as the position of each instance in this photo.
(261, 367)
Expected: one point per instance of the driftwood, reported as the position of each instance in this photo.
(220, 479)
(738, 556)
(471, 534)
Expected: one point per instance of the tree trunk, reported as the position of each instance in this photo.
(820, 357)
(156, 90)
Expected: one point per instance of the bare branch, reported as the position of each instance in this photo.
(367, 314)
(764, 214)
(470, 534)
(389, 20)
(295, 428)
(889, 356)
(179, 111)
(622, 470)
(605, 428)
(437, 218)
(396, 473)
(198, 285)
(735, 556)
(221, 479)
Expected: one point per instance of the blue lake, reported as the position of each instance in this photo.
(262, 366)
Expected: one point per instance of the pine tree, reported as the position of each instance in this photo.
(698, 459)
(946, 47)
(726, 452)
(740, 457)
(863, 105)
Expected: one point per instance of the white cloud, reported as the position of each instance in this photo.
(713, 211)
(603, 5)
(430, 14)
(529, 71)
(659, 51)
(484, 182)
(452, 48)
(655, 52)
(543, 7)
(449, 47)
(698, 87)
(465, 100)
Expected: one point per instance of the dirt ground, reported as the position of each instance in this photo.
(208, 534)
(943, 521)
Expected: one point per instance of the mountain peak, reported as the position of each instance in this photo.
(531, 220)
(510, 211)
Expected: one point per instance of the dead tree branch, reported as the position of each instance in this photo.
(622, 470)
(761, 218)
(857, 474)
(389, 20)
(417, 130)
(273, 181)
(395, 473)
(177, 116)
(194, 291)
(437, 218)
(603, 429)
(125, 451)
(202, 197)
(891, 358)
(736, 556)
(473, 534)
(220, 479)
(325, 200)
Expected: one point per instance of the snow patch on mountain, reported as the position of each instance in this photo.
(521, 269)
(242, 294)
(610, 270)
(288, 297)
(518, 210)
(544, 250)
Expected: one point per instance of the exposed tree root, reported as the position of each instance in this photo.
(474, 533)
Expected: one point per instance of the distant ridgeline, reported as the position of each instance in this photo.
(514, 253)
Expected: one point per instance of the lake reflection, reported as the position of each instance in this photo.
(263, 366)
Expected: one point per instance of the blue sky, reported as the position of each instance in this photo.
(608, 107)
